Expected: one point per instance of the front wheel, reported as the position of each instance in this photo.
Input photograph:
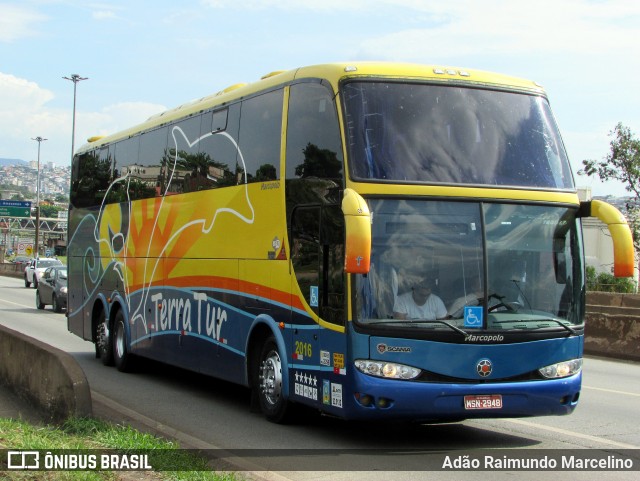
(121, 355)
(26, 281)
(39, 303)
(268, 383)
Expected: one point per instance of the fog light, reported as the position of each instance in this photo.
(365, 399)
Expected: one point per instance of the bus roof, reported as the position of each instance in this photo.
(334, 73)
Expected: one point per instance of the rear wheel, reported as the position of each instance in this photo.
(104, 343)
(55, 304)
(121, 355)
(268, 376)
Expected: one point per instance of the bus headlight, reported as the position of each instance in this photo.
(389, 370)
(561, 369)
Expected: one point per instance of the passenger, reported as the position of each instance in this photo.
(420, 303)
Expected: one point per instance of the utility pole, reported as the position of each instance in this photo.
(39, 140)
(75, 78)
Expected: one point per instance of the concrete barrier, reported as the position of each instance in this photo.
(48, 377)
(613, 325)
(12, 270)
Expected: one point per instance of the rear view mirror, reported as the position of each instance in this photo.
(623, 252)
(357, 219)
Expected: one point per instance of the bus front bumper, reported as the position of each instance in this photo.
(391, 399)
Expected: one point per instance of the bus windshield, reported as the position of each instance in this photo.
(518, 266)
(411, 132)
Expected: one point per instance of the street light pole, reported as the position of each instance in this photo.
(39, 140)
(75, 78)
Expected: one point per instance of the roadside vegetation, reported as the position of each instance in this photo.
(93, 434)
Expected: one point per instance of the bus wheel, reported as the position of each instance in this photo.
(121, 355)
(104, 343)
(269, 383)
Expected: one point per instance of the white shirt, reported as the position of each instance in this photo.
(431, 310)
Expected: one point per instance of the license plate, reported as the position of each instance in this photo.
(490, 401)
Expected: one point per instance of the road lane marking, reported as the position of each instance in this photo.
(572, 434)
(611, 391)
(15, 303)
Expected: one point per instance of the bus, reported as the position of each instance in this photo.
(272, 235)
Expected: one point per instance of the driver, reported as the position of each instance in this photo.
(420, 303)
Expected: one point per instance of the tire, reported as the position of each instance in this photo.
(122, 357)
(39, 303)
(55, 304)
(104, 343)
(26, 282)
(35, 282)
(268, 383)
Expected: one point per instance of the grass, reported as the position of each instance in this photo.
(93, 434)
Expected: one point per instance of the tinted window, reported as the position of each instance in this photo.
(260, 128)
(91, 179)
(313, 134)
(218, 146)
(314, 152)
(448, 134)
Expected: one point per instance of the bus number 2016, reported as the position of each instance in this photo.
(303, 349)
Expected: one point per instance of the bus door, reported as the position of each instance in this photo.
(318, 347)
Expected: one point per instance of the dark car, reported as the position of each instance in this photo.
(22, 260)
(52, 288)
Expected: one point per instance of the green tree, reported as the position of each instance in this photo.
(622, 163)
(50, 211)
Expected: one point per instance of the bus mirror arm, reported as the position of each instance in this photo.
(623, 251)
(357, 220)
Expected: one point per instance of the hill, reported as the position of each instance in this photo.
(6, 162)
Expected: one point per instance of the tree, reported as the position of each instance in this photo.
(622, 163)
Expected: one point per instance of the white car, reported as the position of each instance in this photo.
(34, 270)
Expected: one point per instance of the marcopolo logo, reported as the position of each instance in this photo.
(484, 338)
(382, 348)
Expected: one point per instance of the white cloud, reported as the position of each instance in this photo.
(25, 113)
(469, 27)
(17, 22)
(103, 15)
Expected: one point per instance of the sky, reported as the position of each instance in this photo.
(142, 57)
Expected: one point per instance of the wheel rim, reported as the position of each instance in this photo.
(271, 378)
(120, 342)
(103, 336)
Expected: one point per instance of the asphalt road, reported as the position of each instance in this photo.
(205, 413)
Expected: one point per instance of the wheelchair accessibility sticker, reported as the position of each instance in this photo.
(473, 316)
(313, 302)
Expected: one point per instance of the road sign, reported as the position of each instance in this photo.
(15, 203)
(15, 208)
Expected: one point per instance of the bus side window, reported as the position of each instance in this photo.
(260, 134)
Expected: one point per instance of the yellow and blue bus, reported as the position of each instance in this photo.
(371, 240)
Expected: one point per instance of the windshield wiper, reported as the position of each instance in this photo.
(527, 321)
(418, 321)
